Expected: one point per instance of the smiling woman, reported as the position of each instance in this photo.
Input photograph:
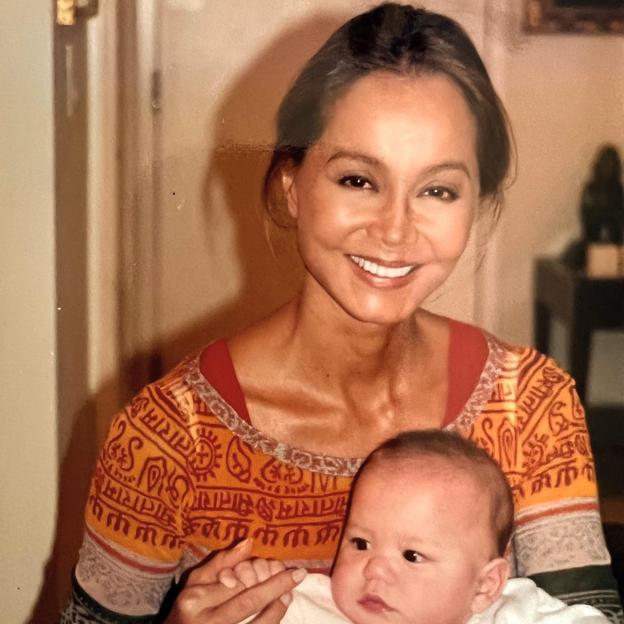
(388, 143)
(384, 215)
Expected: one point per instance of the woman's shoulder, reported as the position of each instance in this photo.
(170, 402)
(174, 384)
(211, 361)
(504, 371)
(508, 356)
(525, 362)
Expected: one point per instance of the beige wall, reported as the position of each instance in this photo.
(565, 96)
(28, 456)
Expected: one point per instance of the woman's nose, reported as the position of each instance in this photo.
(378, 568)
(394, 223)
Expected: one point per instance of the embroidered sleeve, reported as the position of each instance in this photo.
(135, 515)
(82, 609)
(534, 426)
(558, 524)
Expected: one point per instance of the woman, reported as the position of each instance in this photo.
(389, 143)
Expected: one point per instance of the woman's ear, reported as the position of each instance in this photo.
(287, 176)
(490, 584)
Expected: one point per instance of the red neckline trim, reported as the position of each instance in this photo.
(215, 364)
(467, 356)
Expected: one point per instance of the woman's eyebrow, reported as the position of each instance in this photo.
(351, 155)
(452, 165)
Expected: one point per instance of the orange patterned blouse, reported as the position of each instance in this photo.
(183, 472)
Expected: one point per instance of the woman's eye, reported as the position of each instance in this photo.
(412, 556)
(359, 543)
(442, 193)
(356, 181)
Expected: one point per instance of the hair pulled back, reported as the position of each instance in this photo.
(404, 40)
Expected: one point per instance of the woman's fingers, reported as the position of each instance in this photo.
(255, 600)
(231, 587)
(272, 614)
(198, 600)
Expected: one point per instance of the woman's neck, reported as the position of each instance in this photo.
(330, 343)
(310, 374)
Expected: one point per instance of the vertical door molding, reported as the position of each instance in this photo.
(138, 202)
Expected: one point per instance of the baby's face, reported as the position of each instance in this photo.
(415, 542)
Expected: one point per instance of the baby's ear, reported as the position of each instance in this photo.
(490, 584)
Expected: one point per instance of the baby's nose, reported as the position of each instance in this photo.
(378, 567)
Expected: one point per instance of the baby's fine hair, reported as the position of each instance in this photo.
(464, 455)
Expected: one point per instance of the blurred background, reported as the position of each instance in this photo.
(133, 148)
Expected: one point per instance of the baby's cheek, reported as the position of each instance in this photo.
(342, 587)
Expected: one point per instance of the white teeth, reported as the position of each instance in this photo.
(381, 271)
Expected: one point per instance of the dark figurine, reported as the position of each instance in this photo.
(602, 207)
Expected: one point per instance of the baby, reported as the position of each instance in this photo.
(428, 527)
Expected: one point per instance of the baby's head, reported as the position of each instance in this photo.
(429, 521)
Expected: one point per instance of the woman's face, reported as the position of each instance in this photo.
(384, 200)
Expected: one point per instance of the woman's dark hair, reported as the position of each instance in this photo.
(463, 455)
(404, 40)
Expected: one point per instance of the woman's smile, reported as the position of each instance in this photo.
(382, 273)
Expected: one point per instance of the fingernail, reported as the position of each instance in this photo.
(286, 599)
(299, 574)
(241, 545)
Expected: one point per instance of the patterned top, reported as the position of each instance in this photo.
(183, 472)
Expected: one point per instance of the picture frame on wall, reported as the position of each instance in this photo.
(574, 16)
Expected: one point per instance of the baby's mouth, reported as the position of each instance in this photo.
(382, 270)
(373, 603)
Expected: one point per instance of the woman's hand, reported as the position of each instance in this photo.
(206, 600)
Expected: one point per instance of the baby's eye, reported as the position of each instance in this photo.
(412, 556)
(359, 543)
(441, 192)
(356, 182)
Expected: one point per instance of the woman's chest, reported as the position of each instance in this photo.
(292, 503)
(346, 428)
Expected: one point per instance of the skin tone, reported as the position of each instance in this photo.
(384, 203)
(432, 560)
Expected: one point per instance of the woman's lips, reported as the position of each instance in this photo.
(373, 603)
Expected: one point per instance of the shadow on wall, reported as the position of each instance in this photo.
(72, 493)
(270, 275)
(270, 272)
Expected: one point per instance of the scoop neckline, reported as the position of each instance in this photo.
(329, 464)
